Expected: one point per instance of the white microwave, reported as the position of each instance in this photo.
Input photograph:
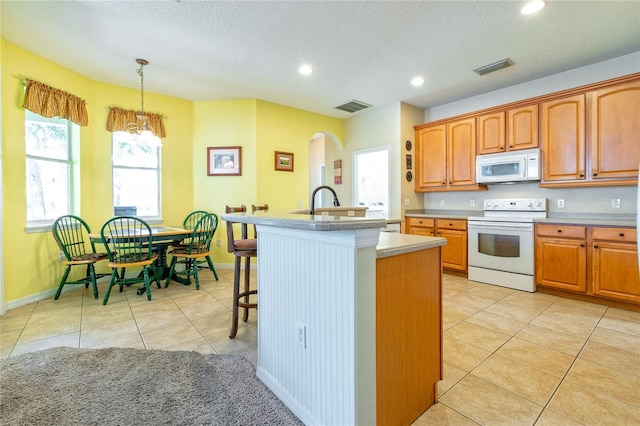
(516, 166)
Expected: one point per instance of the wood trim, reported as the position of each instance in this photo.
(477, 187)
(538, 99)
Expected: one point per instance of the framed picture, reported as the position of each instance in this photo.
(284, 161)
(224, 161)
(409, 162)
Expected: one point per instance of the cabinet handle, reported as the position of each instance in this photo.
(581, 174)
(595, 174)
(559, 230)
(510, 146)
(444, 183)
(502, 147)
(595, 246)
(621, 234)
(581, 245)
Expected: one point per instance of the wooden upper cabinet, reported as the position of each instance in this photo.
(491, 133)
(522, 128)
(615, 131)
(461, 137)
(431, 157)
(563, 139)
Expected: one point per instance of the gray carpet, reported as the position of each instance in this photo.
(116, 386)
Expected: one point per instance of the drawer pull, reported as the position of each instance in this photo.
(559, 230)
(595, 246)
(581, 174)
(622, 234)
(581, 245)
(444, 183)
(595, 174)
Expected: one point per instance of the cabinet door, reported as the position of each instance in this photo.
(461, 138)
(563, 139)
(431, 161)
(615, 129)
(522, 128)
(615, 271)
(454, 253)
(491, 133)
(561, 264)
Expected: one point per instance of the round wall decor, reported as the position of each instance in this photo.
(407, 145)
(409, 176)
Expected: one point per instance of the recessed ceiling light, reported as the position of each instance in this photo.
(305, 70)
(532, 7)
(417, 81)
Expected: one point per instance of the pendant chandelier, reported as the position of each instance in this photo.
(141, 126)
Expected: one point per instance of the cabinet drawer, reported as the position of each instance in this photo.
(566, 231)
(615, 234)
(421, 222)
(459, 224)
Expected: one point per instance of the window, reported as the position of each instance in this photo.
(136, 173)
(372, 181)
(48, 143)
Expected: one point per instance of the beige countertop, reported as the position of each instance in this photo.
(393, 244)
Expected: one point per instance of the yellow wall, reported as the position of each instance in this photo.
(260, 128)
(31, 265)
(286, 129)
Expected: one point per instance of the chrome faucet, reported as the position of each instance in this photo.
(336, 203)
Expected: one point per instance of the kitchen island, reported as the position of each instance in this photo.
(349, 318)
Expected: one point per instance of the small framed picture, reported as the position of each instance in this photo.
(409, 162)
(284, 161)
(224, 161)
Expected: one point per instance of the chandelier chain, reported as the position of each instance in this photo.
(140, 71)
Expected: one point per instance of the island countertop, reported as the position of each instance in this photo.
(305, 221)
(393, 244)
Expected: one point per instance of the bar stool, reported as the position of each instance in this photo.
(246, 248)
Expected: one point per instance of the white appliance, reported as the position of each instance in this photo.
(508, 167)
(501, 250)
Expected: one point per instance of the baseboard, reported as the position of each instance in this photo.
(50, 293)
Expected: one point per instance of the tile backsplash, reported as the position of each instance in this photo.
(575, 200)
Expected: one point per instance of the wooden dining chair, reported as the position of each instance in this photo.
(196, 252)
(189, 223)
(72, 236)
(128, 242)
(242, 247)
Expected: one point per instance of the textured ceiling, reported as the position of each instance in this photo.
(363, 50)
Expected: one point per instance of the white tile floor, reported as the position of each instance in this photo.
(510, 357)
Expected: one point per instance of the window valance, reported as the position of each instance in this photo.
(119, 119)
(50, 102)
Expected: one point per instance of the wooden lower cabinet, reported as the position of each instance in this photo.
(454, 254)
(561, 257)
(614, 256)
(589, 260)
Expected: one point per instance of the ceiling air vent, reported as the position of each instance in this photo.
(503, 63)
(353, 106)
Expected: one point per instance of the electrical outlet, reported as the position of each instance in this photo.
(218, 242)
(406, 201)
(615, 203)
(301, 334)
(472, 203)
(441, 203)
(561, 204)
(61, 256)
(299, 203)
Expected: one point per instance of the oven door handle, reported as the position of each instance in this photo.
(499, 225)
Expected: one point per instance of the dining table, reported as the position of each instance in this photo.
(161, 238)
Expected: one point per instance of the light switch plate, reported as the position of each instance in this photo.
(561, 204)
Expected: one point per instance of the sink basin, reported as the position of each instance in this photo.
(337, 211)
